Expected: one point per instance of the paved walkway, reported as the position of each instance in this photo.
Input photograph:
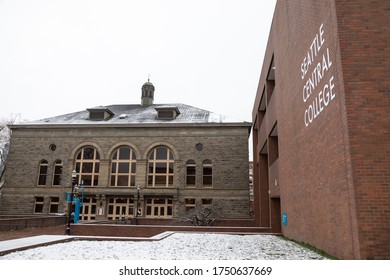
(18, 244)
(9, 246)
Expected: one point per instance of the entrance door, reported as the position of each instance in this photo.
(159, 207)
(120, 208)
(276, 217)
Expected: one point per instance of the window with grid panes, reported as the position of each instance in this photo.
(87, 166)
(160, 167)
(207, 174)
(54, 204)
(159, 207)
(43, 167)
(120, 207)
(191, 173)
(57, 173)
(190, 204)
(123, 167)
(88, 210)
(38, 205)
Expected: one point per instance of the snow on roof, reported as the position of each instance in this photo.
(138, 114)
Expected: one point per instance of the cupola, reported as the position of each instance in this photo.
(147, 94)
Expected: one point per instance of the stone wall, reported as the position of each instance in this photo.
(225, 146)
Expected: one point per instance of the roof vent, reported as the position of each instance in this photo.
(123, 116)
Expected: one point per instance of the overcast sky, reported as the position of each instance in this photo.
(58, 57)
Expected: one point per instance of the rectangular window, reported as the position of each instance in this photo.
(190, 204)
(54, 204)
(273, 145)
(38, 205)
(191, 175)
(43, 168)
(270, 81)
(207, 176)
(262, 109)
(168, 115)
(207, 202)
(57, 173)
(93, 115)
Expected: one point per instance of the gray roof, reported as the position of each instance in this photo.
(141, 115)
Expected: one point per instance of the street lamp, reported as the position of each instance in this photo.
(137, 210)
(74, 174)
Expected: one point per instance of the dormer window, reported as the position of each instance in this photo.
(100, 113)
(165, 115)
(167, 112)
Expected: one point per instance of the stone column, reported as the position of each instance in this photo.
(104, 173)
(141, 173)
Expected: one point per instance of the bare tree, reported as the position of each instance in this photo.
(201, 216)
(5, 136)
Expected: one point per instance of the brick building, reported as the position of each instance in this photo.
(321, 127)
(179, 156)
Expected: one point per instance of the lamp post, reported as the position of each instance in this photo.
(137, 210)
(74, 174)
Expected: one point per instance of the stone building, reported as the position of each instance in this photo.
(163, 160)
(322, 129)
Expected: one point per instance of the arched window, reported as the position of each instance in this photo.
(87, 166)
(191, 173)
(160, 167)
(123, 166)
(57, 175)
(207, 173)
(43, 166)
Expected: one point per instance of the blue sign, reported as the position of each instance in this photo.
(68, 196)
(284, 218)
(76, 216)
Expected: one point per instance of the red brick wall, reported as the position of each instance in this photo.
(151, 230)
(19, 222)
(333, 169)
(364, 35)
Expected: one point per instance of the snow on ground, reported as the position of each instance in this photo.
(179, 246)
